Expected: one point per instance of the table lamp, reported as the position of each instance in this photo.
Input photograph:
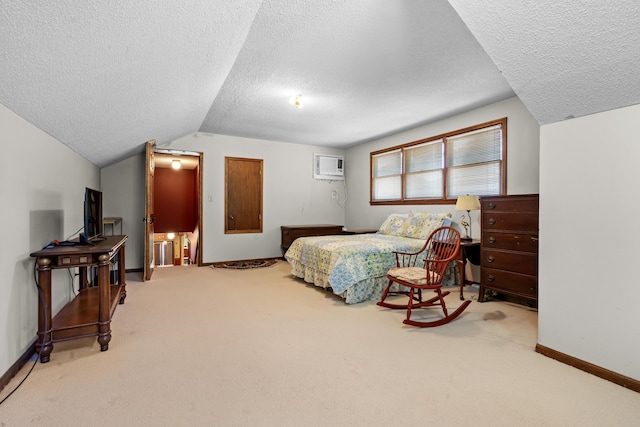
(467, 203)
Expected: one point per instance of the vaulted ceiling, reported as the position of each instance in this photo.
(104, 77)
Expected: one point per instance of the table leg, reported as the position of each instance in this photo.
(83, 281)
(462, 264)
(104, 305)
(44, 344)
(122, 275)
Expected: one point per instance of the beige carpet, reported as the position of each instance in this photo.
(216, 347)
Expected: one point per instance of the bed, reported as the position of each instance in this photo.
(354, 267)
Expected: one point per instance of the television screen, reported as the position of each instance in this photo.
(93, 226)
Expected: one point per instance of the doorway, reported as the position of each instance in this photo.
(177, 206)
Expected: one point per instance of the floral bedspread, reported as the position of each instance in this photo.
(349, 259)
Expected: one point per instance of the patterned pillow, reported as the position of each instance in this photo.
(420, 226)
(394, 225)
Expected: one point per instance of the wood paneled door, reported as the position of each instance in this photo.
(243, 195)
(149, 216)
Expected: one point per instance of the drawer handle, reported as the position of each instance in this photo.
(490, 258)
(491, 278)
(491, 205)
(535, 239)
(492, 239)
(492, 221)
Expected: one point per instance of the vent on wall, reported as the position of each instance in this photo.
(328, 166)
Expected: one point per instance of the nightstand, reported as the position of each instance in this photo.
(469, 252)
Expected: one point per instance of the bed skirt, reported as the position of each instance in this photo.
(364, 290)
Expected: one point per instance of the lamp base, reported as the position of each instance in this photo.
(466, 238)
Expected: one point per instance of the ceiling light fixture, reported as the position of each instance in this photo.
(176, 164)
(296, 101)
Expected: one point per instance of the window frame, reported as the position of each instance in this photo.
(444, 199)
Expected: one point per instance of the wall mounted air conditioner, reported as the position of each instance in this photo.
(328, 166)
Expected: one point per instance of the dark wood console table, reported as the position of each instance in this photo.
(90, 312)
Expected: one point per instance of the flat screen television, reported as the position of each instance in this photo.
(93, 226)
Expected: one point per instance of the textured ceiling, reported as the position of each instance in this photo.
(104, 77)
(563, 59)
(364, 69)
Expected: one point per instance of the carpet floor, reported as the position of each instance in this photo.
(257, 347)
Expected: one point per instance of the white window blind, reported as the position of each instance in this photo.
(474, 162)
(386, 169)
(423, 170)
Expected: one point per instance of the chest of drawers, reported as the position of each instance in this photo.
(509, 248)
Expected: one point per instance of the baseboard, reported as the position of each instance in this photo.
(15, 368)
(598, 371)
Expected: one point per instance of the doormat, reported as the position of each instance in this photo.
(243, 265)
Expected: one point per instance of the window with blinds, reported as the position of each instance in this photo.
(423, 166)
(387, 175)
(439, 169)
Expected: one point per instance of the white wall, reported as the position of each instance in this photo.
(123, 191)
(42, 186)
(291, 195)
(589, 201)
(522, 161)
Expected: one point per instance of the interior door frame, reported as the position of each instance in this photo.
(200, 200)
(200, 175)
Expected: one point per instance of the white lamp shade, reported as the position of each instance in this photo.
(468, 203)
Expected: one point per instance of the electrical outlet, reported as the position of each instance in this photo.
(210, 198)
(334, 194)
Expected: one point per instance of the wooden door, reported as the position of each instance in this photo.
(243, 195)
(148, 211)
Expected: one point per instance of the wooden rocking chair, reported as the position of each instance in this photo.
(441, 248)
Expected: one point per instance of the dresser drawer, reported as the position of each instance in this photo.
(510, 241)
(512, 204)
(509, 282)
(518, 262)
(506, 221)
